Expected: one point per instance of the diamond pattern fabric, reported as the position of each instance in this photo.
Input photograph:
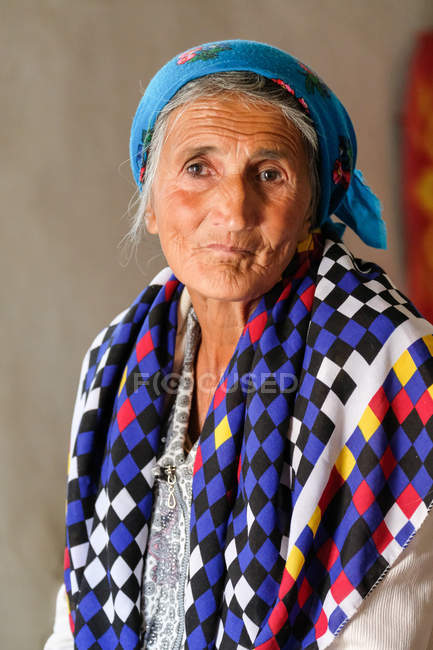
(314, 467)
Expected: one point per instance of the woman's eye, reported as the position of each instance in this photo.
(269, 175)
(196, 169)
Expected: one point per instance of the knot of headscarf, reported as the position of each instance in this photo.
(342, 189)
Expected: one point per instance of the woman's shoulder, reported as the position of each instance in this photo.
(350, 276)
(364, 332)
(398, 612)
(121, 327)
(359, 299)
(109, 347)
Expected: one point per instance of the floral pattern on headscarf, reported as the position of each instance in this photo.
(289, 89)
(146, 137)
(313, 82)
(201, 53)
(342, 172)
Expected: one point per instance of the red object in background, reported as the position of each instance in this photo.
(418, 176)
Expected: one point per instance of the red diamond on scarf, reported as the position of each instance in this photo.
(169, 288)
(285, 292)
(220, 394)
(380, 404)
(278, 617)
(328, 554)
(198, 460)
(257, 326)
(125, 415)
(388, 462)
(307, 296)
(402, 405)
(424, 407)
(409, 500)
(322, 625)
(334, 483)
(287, 583)
(382, 537)
(341, 587)
(304, 593)
(144, 346)
(363, 497)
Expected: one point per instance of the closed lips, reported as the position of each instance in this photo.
(228, 249)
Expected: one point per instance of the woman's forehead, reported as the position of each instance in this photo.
(229, 117)
(227, 105)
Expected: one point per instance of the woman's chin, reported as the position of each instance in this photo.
(226, 283)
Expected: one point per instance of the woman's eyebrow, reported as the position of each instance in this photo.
(276, 154)
(190, 152)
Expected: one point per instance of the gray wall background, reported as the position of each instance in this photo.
(71, 77)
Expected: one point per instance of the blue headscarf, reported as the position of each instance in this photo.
(343, 191)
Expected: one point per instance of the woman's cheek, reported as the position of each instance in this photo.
(189, 209)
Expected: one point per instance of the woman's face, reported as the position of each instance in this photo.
(231, 197)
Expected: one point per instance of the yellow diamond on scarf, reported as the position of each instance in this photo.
(345, 462)
(315, 520)
(305, 244)
(428, 340)
(404, 368)
(222, 432)
(122, 381)
(295, 562)
(368, 423)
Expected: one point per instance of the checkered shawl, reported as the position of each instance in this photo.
(309, 480)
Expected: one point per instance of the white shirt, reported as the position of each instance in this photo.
(397, 615)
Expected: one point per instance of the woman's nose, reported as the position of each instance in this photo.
(234, 203)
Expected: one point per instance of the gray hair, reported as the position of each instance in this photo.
(253, 89)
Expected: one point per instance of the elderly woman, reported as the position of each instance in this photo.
(252, 445)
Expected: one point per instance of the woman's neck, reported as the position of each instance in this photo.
(221, 323)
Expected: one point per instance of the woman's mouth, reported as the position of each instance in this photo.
(223, 248)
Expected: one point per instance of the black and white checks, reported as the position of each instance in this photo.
(314, 468)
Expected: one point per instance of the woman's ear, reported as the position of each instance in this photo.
(150, 220)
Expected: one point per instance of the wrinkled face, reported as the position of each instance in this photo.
(231, 197)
